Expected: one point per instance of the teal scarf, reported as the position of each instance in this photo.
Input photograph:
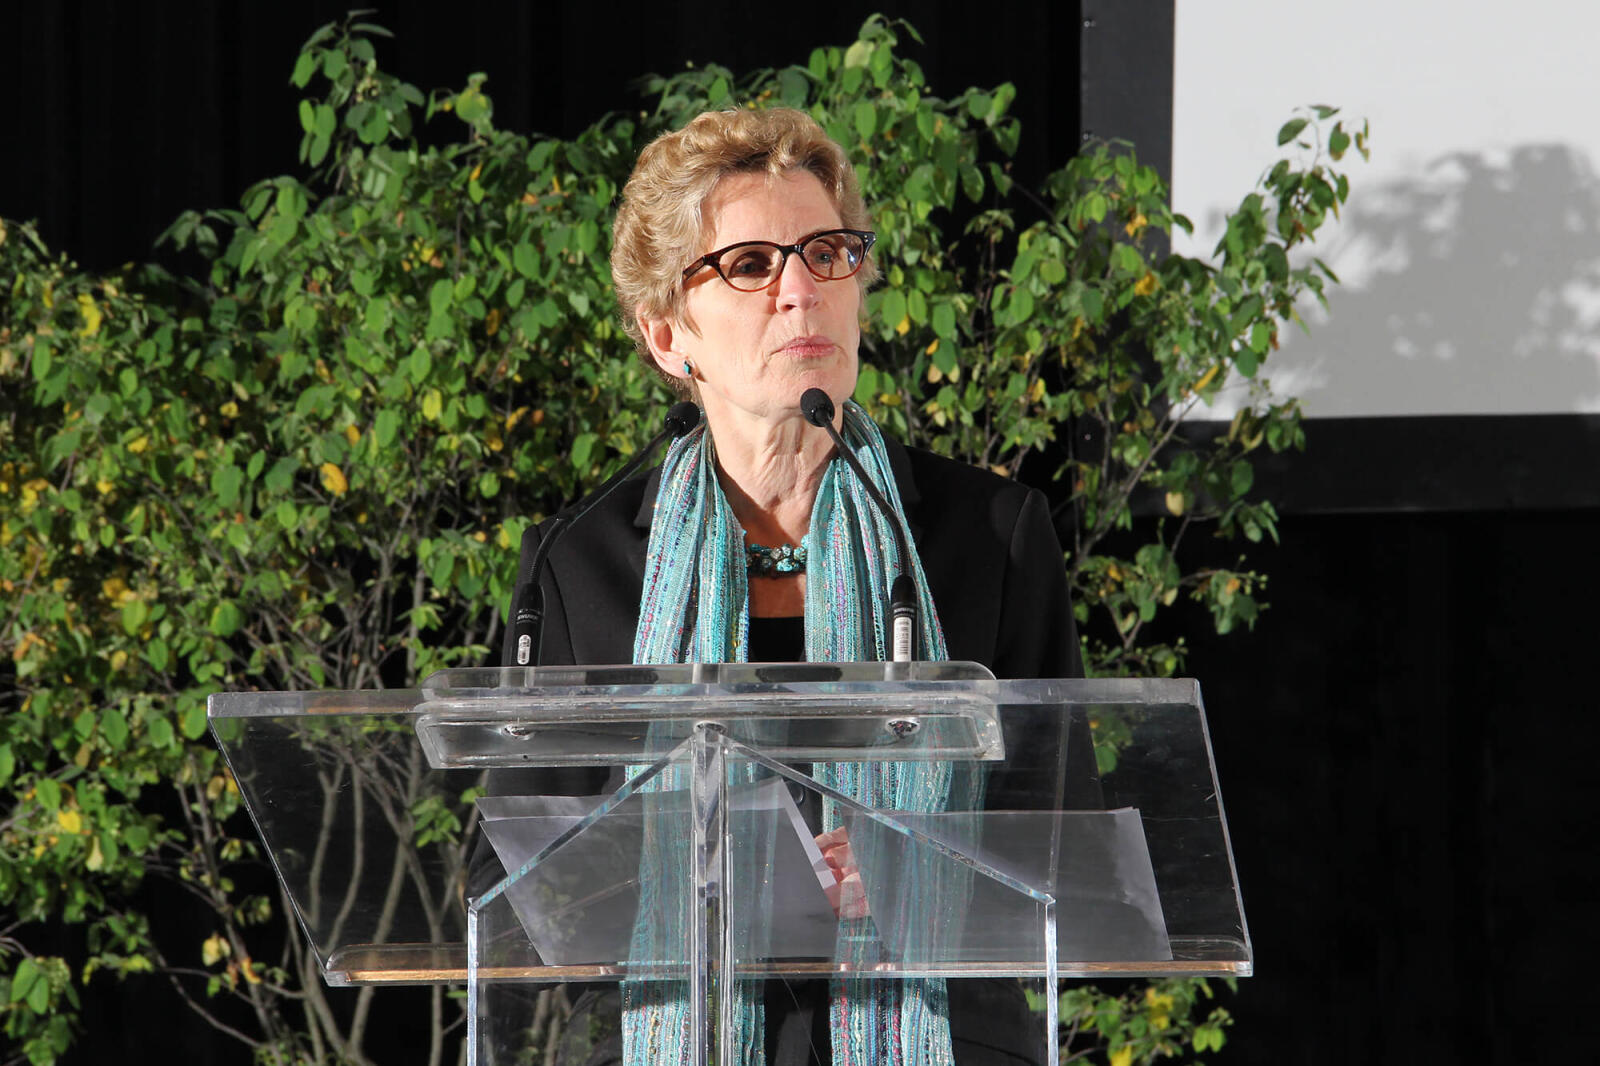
(696, 608)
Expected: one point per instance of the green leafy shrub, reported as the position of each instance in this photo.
(310, 467)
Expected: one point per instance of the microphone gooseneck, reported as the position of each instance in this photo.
(527, 613)
(818, 409)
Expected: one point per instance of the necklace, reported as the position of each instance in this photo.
(782, 561)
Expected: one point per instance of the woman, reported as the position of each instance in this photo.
(742, 251)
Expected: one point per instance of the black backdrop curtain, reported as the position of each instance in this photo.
(1405, 742)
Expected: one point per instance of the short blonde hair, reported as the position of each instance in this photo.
(661, 224)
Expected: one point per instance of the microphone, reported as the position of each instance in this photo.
(527, 614)
(818, 410)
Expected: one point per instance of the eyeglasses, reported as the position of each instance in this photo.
(751, 266)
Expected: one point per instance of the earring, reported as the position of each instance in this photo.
(688, 369)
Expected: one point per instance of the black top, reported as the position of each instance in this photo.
(777, 640)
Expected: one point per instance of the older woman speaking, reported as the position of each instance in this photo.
(742, 251)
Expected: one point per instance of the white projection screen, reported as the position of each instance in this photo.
(1470, 250)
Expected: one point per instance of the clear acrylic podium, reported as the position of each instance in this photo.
(505, 828)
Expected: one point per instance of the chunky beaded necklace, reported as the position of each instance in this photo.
(782, 561)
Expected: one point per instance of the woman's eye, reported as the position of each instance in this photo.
(750, 264)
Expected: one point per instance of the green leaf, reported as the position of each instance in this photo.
(281, 476)
(1021, 306)
(420, 363)
(387, 426)
(440, 295)
(226, 618)
(1241, 477)
(1290, 130)
(48, 792)
(866, 385)
(226, 482)
(891, 308)
(23, 982)
(1338, 142)
(194, 721)
(866, 119)
(582, 445)
(526, 260)
(8, 764)
(134, 613)
(304, 67)
(159, 731)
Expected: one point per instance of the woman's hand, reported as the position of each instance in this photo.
(847, 896)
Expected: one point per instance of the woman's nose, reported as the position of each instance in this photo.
(797, 289)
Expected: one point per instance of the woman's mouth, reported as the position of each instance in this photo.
(809, 347)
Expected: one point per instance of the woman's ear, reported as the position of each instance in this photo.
(661, 337)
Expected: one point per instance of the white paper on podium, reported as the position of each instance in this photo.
(580, 904)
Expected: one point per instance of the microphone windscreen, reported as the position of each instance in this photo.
(817, 407)
(682, 417)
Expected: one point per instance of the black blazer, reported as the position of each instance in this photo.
(996, 572)
(993, 562)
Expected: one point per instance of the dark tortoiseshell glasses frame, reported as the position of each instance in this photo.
(748, 266)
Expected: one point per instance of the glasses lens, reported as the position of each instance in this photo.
(750, 266)
(834, 255)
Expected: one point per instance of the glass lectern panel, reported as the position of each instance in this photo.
(381, 810)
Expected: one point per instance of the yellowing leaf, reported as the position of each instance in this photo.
(89, 311)
(139, 445)
(31, 491)
(352, 434)
(1145, 285)
(1123, 1056)
(97, 858)
(214, 949)
(229, 410)
(333, 479)
(491, 323)
(904, 327)
(1136, 225)
(932, 347)
(1175, 502)
(248, 968)
(1207, 378)
(69, 820)
(103, 486)
(432, 404)
(119, 659)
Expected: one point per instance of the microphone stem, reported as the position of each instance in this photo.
(902, 592)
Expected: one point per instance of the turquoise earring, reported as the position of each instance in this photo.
(688, 370)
